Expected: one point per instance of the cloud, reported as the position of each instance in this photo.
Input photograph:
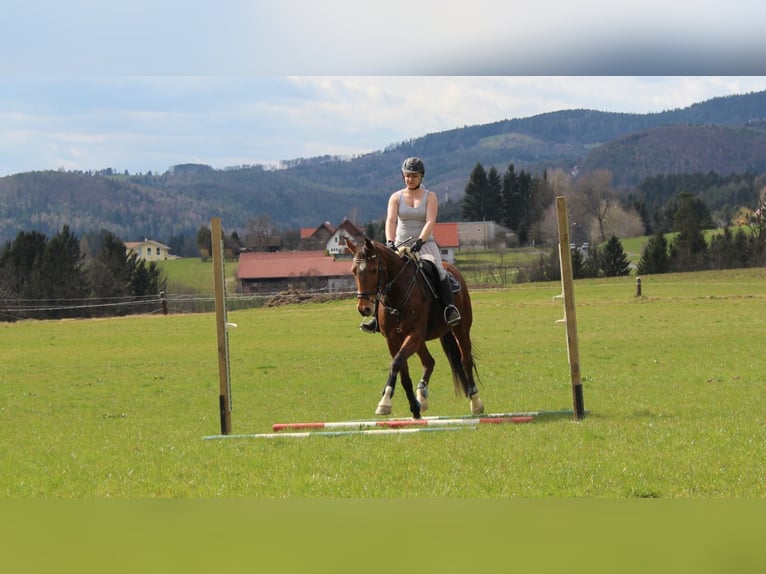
(143, 123)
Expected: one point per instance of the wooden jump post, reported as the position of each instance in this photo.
(567, 284)
(224, 373)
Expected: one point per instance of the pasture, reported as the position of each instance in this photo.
(673, 384)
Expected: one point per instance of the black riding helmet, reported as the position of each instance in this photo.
(413, 165)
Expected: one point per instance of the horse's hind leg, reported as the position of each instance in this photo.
(477, 405)
(428, 363)
(467, 368)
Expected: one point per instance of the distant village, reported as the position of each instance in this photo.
(321, 263)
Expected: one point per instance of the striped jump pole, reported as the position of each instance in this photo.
(402, 423)
(370, 432)
(534, 414)
(429, 421)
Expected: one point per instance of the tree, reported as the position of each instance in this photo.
(60, 273)
(494, 198)
(614, 261)
(110, 271)
(205, 242)
(578, 264)
(654, 257)
(688, 252)
(596, 197)
(474, 207)
(145, 279)
(512, 206)
(261, 233)
(18, 261)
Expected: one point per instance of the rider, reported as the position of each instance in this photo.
(412, 214)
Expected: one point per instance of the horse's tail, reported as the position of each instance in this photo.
(463, 381)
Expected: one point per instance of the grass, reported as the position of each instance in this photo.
(195, 275)
(672, 381)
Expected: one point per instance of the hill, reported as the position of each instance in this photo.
(726, 135)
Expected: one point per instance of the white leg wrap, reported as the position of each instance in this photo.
(384, 406)
(421, 394)
(477, 406)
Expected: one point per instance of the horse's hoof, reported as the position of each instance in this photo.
(422, 399)
(383, 410)
(477, 406)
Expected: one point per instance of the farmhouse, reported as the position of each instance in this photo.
(447, 238)
(482, 234)
(299, 270)
(336, 244)
(315, 238)
(149, 250)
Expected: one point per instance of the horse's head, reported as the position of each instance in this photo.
(367, 271)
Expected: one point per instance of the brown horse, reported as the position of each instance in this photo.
(397, 286)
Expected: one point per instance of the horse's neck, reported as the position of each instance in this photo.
(396, 275)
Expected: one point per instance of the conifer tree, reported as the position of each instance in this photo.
(614, 260)
(654, 258)
(494, 199)
(474, 206)
(60, 274)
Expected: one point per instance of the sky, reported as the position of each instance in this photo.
(142, 86)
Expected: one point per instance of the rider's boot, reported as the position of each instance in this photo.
(370, 326)
(451, 314)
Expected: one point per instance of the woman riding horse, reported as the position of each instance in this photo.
(411, 214)
(396, 289)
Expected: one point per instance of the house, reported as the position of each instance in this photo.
(482, 234)
(149, 250)
(315, 238)
(336, 245)
(447, 238)
(264, 272)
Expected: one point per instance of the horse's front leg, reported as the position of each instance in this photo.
(409, 390)
(399, 367)
(384, 405)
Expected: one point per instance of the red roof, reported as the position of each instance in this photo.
(290, 264)
(446, 235)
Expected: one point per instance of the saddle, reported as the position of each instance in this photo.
(427, 268)
(428, 271)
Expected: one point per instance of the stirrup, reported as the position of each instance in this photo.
(452, 316)
(370, 326)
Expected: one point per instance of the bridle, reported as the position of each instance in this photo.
(381, 291)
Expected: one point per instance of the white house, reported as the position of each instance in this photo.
(149, 250)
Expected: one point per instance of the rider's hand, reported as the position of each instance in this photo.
(391, 245)
(418, 244)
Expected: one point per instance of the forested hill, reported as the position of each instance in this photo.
(726, 135)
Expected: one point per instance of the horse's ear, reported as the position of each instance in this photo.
(368, 243)
(350, 245)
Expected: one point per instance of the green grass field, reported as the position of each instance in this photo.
(673, 382)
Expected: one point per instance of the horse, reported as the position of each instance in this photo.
(396, 285)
